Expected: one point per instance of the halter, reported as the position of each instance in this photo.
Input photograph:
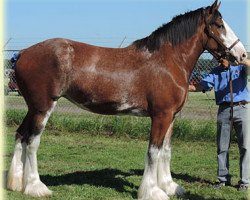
(226, 53)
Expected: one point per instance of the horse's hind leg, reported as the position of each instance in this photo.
(32, 129)
(15, 174)
(31, 180)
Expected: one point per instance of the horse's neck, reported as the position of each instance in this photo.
(189, 53)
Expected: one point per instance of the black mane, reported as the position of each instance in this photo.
(178, 30)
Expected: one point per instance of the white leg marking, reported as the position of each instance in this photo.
(31, 180)
(32, 183)
(15, 174)
(48, 114)
(165, 180)
(149, 189)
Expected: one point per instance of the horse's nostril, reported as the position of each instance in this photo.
(244, 55)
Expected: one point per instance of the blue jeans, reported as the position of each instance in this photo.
(223, 141)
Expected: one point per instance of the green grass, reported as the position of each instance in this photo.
(132, 127)
(89, 156)
(196, 120)
(92, 167)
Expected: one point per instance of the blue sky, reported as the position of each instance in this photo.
(104, 22)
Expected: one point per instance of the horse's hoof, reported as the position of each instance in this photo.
(14, 183)
(152, 194)
(174, 189)
(180, 192)
(37, 189)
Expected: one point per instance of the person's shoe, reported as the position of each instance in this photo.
(221, 184)
(242, 187)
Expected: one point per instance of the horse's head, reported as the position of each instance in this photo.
(221, 41)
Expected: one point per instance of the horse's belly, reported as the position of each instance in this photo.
(113, 108)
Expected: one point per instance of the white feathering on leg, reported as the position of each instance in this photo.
(15, 174)
(31, 180)
(165, 180)
(149, 189)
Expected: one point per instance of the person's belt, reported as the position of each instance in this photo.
(235, 103)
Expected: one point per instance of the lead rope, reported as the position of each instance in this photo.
(231, 103)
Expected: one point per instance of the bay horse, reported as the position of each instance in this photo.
(147, 78)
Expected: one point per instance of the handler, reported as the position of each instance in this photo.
(219, 79)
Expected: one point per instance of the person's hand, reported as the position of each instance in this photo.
(191, 88)
(224, 63)
(246, 62)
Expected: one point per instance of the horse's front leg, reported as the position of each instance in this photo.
(165, 180)
(157, 182)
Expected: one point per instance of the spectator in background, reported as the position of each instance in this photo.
(14, 59)
(219, 80)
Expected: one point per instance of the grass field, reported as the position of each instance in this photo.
(92, 167)
(129, 126)
(92, 157)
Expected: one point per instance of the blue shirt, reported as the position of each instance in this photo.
(219, 79)
(14, 60)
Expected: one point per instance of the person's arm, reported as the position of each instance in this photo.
(206, 84)
(195, 88)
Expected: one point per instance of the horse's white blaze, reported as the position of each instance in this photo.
(15, 174)
(229, 38)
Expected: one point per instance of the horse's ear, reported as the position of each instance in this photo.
(215, 6)
(218, 6)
